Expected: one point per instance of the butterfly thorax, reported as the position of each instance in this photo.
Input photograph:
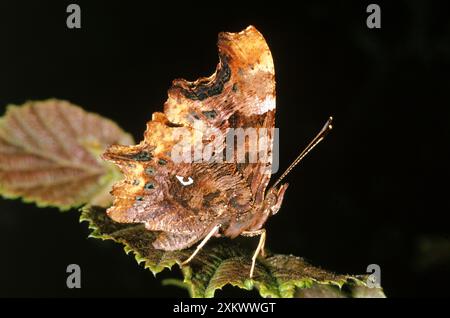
(255, 218)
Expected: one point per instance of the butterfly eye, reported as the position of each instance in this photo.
(183, 182)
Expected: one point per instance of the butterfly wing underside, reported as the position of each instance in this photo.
(240, 94)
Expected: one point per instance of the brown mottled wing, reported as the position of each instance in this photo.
(241, 93)
(153, 193)
(168, 241)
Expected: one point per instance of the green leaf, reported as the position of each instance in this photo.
(50, 154)
(224, 262)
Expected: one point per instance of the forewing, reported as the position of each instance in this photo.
(240, 94)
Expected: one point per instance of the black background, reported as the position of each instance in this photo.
(374, 192)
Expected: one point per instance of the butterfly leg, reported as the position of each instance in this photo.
(214, 231)
(259, 249)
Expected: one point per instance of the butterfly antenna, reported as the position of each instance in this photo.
(317, 139)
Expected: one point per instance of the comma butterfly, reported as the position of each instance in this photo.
(177, 181)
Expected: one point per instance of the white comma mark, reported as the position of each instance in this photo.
(185, 183)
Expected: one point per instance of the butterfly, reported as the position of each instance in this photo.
(193, 200)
